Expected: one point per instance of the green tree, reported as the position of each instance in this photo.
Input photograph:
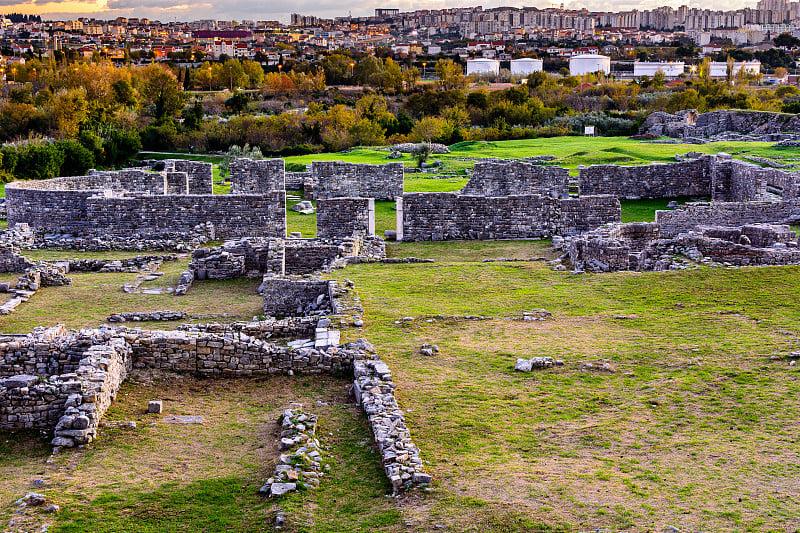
(77, 159)
(450, 74)
(161, 92)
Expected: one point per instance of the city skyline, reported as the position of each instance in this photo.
(183, 10)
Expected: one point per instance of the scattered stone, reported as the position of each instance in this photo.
(527, 365)
(155, 406)
(428, 350)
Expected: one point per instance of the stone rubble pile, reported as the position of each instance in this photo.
(374, 390)
(407, 148)
(639, 247)
(527, 365)
(147, 316)
(302, 463)
(127, 265)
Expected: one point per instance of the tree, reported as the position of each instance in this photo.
(77, 159)
(235, 152)
(450, 74)
(420, 153)
(123, 93)
(786, 40)
(161, 92)
(193, 116)
(780, 73)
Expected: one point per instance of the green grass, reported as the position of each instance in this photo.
(676, 435)
(569, 151)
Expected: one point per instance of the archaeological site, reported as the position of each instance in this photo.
(478, 344)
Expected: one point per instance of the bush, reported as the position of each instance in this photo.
(8, 162)
(38, 162)
(159, 137)
(77, 159)
(121, 146)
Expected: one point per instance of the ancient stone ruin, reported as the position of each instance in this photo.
(691, 126)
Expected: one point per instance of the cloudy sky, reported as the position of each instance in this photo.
(165, 10)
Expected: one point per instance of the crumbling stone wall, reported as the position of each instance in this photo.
(46, 352)
(200, 175)
(312, 255)
(285, 296)
(690, 123)
(739, 181)
(250, 176)
(295, 181)
(28, 401)
(660, 180)
(336, 179)
(585, 213)
(176, 183)
(492, 178)
(293, 327)
(454, 216)
(88, 205)
(689, 216)
(11, 260)
(345, 217)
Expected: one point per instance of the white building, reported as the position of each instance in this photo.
(483, 66)
(589, 64)
(719, 69)
(671, 69)
(525, 66)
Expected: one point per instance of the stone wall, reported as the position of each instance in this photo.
(312, 255)
(250, 176)
(200, 174)
(90, 205)
(454, 216)
(690, 123)
(689, 216)
(345, 217)
(46, 352)
(491, 178)
(234, 259)
(176, 183)
(132, 180)
(738, 181)
(336, 179)
(231, 215)
(292, 327)
(11, 260)
(375, 392)
(100, 374)
(30, 402)
(661, 180)
(295, 181)
(585, 213)
(285, 296)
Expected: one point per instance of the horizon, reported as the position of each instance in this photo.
(180, 11)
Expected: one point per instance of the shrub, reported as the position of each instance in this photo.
(38, 162)
(77, 159)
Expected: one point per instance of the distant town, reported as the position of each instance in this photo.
(482, 40)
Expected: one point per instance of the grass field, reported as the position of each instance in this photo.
(695, 428)
(570, 152)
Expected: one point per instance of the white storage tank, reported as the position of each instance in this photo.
(483, 66)
(589, 64)
(525, 66)
(671, 69)
(719, 69)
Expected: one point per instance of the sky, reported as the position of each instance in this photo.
(167, 10)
